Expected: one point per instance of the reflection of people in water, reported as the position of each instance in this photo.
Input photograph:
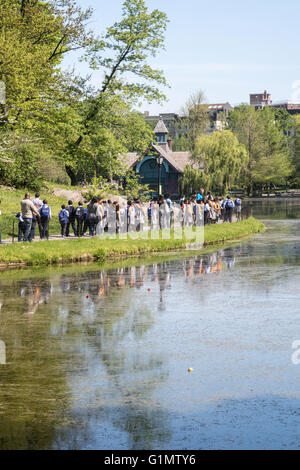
(34, 294)
(229, 258)
(98, 284)
(195, 267)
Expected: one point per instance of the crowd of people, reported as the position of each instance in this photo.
(214, 209)
(101, 216)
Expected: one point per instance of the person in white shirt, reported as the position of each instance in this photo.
(38, 204)
(131, 217)
(100, 219)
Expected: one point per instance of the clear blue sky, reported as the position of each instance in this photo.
(227, 48)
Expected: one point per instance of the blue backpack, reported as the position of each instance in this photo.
(230, 204)
(238, 201)
(63, 217)
(45, 211)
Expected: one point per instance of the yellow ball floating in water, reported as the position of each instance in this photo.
(190, 369)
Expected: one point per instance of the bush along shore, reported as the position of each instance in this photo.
(97, 249)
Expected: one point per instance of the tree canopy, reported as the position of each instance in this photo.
(64, 125)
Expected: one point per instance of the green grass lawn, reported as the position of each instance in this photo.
(10, 204)
(53, 252)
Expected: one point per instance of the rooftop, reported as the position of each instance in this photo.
(161, 128)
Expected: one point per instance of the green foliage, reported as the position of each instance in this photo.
(34, 36)
(76, 130)
(134, 189)
(223, 159)
(181, 144)
(124, 51)
(23, 169)
(194, 121)
(296, 151)
(99, 187)
(267, 144)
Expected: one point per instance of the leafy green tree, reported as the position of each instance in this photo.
(180, 144)
(267, 145)
(34, 36)
(296, 151)
(223, 160)
(194, 121)
(119, 130)
(123, 52)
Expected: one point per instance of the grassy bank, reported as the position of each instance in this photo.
(76, 250)
(220, 233)
(11, 204)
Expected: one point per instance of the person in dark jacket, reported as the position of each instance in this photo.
(79, 214)
(71, 221)
(63, 217)
(92, 216)
(45, 216)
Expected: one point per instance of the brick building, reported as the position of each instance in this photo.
(259, 100)
(290, 106)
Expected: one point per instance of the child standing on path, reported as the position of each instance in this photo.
(63, 220)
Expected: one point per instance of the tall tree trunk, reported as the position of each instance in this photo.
(72, 175)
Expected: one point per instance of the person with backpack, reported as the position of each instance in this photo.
(63, 217)
(79, 215)
(86, 224)
(92, 216)
(238, 208)
(229, 206)
(199, 197)
(72, 215)
(45, 216)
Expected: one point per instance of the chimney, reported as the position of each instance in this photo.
(146, 113)
(170, 144)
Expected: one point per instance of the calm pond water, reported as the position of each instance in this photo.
(98, 359)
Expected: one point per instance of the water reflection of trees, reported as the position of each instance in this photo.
(75, 363)
(77, 348)
(287, 208)
(53, 331)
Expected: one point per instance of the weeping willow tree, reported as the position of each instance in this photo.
(224, 162)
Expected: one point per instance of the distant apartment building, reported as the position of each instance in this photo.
(259, 100)
(291, 107)
(218, 113)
